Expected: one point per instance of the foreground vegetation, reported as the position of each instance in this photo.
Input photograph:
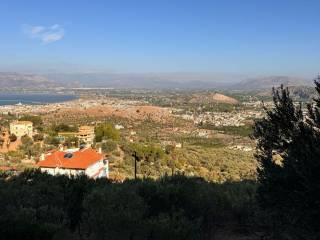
(289, 157)
(39, 206)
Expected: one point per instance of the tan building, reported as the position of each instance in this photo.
(21, 128)
(86, 134)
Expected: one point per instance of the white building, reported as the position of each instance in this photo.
(118, 127)
(21, 128)
(73, 162)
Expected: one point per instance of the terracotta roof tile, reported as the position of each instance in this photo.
(81, 159)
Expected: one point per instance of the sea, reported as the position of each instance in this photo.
(33, 98)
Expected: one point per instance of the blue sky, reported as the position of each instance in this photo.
(227, 36)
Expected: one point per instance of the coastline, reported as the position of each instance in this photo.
(34, 98)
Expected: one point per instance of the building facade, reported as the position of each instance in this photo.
(73, 162)
(21, 128)
(86, 134)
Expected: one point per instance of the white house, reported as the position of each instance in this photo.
(118, 127)
(74, 162)
(21, 128)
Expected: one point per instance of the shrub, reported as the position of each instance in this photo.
(109, 146)
(105, 131)
(12, 137)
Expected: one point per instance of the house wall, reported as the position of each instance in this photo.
(62, 171)
(94, 169)
(21, 129)
(48, 170)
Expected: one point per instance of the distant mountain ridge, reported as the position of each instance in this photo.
(183, 81)
(10, 80)
(177, 81)
(261, 83)
(296, 92)
(143, 80)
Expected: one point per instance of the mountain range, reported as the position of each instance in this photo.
(261, 83)
(12, 80)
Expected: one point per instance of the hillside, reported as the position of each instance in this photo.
(296, 92)
(212, 98)
(269, 82)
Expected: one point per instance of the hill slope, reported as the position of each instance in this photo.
(269, 82)
(212, 98)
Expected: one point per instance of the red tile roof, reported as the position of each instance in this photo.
(81, 159)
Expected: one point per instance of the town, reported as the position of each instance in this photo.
(59, 137)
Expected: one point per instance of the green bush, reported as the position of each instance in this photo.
(109, 146)
(64, 128)
(106, 131)
(12, 138)
(38, 137)
(52, 140)
(36, 120)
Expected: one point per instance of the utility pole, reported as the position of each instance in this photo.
(136, 158)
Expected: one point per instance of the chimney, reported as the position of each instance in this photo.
(99, 150)
(42, 157)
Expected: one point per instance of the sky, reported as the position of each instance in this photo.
(274, 37)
